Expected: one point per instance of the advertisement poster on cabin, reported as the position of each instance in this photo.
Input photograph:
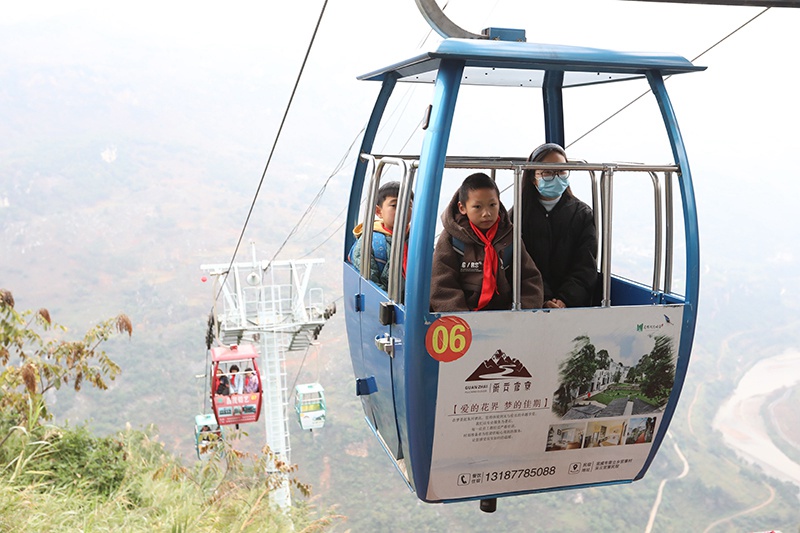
(538, 400)
(236, 408)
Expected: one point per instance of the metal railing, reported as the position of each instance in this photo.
(408, 168)
(603, 191)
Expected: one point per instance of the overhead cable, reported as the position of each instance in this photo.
(275, 142)
(626, 106)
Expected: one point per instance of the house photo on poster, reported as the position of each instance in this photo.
(593, 384)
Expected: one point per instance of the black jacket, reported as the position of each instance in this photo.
(563, 244)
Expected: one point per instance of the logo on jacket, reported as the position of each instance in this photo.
(471, 266)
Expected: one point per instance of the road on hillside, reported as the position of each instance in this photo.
(683, 474)
(746, 511)
(743, 430)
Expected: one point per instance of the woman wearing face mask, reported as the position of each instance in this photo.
(559, 232)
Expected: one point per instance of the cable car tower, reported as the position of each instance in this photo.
(270, 304)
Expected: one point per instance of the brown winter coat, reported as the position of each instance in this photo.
(456, 280)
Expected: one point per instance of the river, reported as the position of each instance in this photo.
(739, 419)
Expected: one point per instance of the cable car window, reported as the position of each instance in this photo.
(677, 236)
(401, 130)
(635, 240)
(496, 121)
(636, 128)
(388, 182)
(649, 239)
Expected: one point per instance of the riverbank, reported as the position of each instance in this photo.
(740, 421)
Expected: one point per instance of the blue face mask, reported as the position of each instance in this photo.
(553, 188)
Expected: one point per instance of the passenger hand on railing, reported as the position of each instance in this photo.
(555, 303)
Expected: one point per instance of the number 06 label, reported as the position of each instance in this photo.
(448, 338)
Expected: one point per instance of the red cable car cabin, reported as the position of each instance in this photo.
(235, 384)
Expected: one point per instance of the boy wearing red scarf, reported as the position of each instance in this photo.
(476, 279)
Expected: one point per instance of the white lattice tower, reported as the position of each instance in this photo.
(271, 306)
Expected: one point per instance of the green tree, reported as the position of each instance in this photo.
(658, 370)
(36, 359)
(561, 400)
(603, 360)
(635, 373)
(576, 372)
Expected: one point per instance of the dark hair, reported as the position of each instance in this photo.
(529, 175)
(543, 150)
(474, 182)
(390, 189)
(233, 367)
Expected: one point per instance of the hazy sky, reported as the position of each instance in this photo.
(742, 97)
(734, 116)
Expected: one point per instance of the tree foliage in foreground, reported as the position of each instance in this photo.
(37, 360)
(130, 483)
(66, 479)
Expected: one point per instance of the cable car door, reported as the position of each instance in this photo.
(376, 310)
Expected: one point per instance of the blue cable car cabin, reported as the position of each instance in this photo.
(235, 384)
(207, 434)
(478, 405)
(309, 405)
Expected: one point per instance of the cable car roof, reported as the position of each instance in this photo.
(304, 388)
(234, 353)
(205, 420)
(520, 64)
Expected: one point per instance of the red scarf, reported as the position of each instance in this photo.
(405, 249)
(489, 287)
